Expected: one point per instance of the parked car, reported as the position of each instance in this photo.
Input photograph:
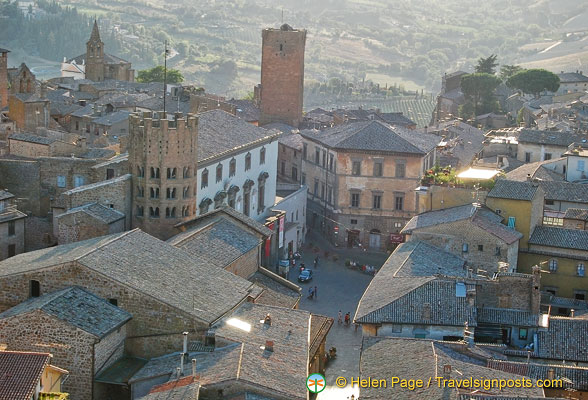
(305, 275)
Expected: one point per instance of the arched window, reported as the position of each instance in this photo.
(154, 212)
(139, 211)
(154, 173)
(580, 269)
(154, 193)
(247, 161)
(232, 167)
(204, 179)
(219, 173)
(262, 156)
(553, 265)
(186, 173)
(204, 205)
(170, 212)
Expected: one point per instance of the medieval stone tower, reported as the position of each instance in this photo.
(95, 56)
(282, 75)
(162, 161)
(3, 78)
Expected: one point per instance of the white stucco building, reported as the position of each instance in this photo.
(237, 165)
(291, 199)
(577, 162)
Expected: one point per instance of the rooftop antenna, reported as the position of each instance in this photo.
(282, 15)
(165, 53)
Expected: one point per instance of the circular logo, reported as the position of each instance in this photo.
(316, 383)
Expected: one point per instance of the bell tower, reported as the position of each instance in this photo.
(95, 56)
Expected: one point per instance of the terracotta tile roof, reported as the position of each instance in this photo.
(20, 372)
(506, 316)
(514, 190)
(77, 307)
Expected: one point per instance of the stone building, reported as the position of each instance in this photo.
(472, 232)
(21, 79)
(290, 157)
(99, 65)
(282, 75)
(162, 160)
(33, 146)
(88, 221)
(362, 178)
(292, 201)
(3, 77)
(84, 333)
(29, 111)
(537, 145)
(12, 227)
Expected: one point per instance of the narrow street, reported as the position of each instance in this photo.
(338, 288)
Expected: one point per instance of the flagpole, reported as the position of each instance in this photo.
(164, 78)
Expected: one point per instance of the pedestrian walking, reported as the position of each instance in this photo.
(310, 293)
(315, 292)
(340, 320)
(347, 318)
(316, 260)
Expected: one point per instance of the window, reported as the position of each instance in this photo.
(60, 181)
(186, 172)
(527, 157)
(354, 199)
(186, 192)
(353, 222)
(171, 173)
(465, 248)
(170, 212)
(378, 168)
(34, 288)
(260, 198)
(322, 190)
(552, 221)
(580, 269)
(109, 173)
(377, 203)
(262, 156)
(579, 295)
(219, 173)
(154, 173)
(553, 265)
(331, 162)
(551, 289)
(303, 178)
(549, 202)
(283, 168)
(399, 202)
(77, 125)
(232, 167)
(294, 173)
(185, 211)
(329, 195)
(11, 228)
(480, 247)
(324, 158)
(400, 170)
(397, 224)
(547, 156)
(296, 215)
(170, 193)
(11, 250)
(356, 168)
(511, 222)
(79, 180)
(248, 162)
(154, 212)
(497, 251)
(317, 156)
(139, 211)
(154, 193)
(140, 191)
(304, 151)
(316, 183)
(114, 302)
(581, 165)
(523, 333)
(204, 179)
(141, 172)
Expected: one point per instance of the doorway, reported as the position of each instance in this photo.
(375, 239)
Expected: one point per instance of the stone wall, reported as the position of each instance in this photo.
(282, 76)
(18, 239)
(39, 233)
(79, 226)
(21, 178)
(120, 167)
(156, 328)
(28, 149)
(72, 348)
(110, 348)
(509, 291)
(247, 264)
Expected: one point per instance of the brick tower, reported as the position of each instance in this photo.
(162, 161)
(3, 78)
(282, 75)
(95, 56)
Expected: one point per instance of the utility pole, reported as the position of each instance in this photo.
(164, 77)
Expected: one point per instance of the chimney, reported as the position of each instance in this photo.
(268, 320)
(194, 368)
(185, 348)
(447, 371)
(178, 373)
(210, 338)
(269, 345)
(572, 312)
(181, 363)
(529, 179)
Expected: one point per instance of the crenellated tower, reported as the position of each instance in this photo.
(162, 161)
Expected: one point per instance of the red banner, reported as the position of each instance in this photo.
(268, 242)
(396, 238)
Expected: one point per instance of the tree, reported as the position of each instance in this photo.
(478, 90)
(506, 71)
(487, 65)
(534, 81)
(155, 74)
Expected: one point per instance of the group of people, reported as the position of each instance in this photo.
(312, 292)
(347, 318)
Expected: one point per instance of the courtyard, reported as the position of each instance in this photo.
(338, 288)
